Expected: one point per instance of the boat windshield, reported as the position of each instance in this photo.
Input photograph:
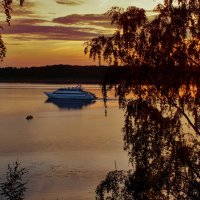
(69, 89)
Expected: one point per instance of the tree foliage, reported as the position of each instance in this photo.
(161, 117)
(170, 39)
(161, 136)
(14, 186)
(7, 7)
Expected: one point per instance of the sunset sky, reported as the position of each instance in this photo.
(47, 32)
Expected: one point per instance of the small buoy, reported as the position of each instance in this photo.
(29, 117)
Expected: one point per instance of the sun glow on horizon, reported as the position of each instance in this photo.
(53, 32)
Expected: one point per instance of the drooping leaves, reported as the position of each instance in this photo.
(170, 39)
(7, 6)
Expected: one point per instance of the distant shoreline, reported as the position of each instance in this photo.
(67, 74)
(58, 74)
(51, 82)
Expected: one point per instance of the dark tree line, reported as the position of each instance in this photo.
(62, 74)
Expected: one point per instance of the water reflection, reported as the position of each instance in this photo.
(161, 136)
(70, 104)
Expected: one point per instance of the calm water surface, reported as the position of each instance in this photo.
(67, 148)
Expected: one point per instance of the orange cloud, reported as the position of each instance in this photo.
(69, 2)
(30, 32)
(89, 19)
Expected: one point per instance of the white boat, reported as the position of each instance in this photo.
(71, 93)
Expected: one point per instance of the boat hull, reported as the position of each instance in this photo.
(67, 96)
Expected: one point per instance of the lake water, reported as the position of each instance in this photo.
(68, 149)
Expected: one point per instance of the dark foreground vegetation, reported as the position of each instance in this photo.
(14, 186)
(161, 102)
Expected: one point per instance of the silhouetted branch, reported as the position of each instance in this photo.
(14, 187)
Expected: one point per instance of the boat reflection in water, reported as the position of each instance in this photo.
(70, 104)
